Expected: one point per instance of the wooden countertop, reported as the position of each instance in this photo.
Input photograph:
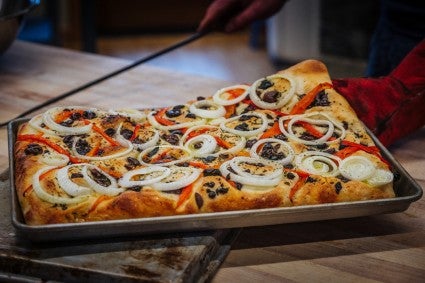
(389, 248)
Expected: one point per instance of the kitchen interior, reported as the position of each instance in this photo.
(328, 30)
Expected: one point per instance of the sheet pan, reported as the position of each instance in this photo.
(406, 188)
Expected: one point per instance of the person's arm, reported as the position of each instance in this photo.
(232, 15)
(392, 107)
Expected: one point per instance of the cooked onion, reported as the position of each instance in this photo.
(208, 145)
(36, 122)
(319, 163)
(380, 177)
(42, 194)
(126, 181)
(110, 190)
(54, 159)
(328, 121)
(248, 180)
(120, 139)
(68, 185)
(357, 168)
(289, 152)
(284, 99)
(62, 130)
(114, 155)
(172, 147)
(133, 114)
(154, 122)
(217, 97)
(249, 133)
(188, 176)
(217, 111)
(276, 167)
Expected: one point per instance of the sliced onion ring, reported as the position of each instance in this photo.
(133, 114)
(36, 122)
(42, 194)
(286, 97)
(172, 147)
(126, 181)
(208, 146)
(255, 132)
(236, 161)
(306, 162)
(245, 180)
(111, 190)
(380, 178)
(54, 159)
(126, 151)
(217, 112)
(357, 168)
(62, 130)
(289, 151)
(189, 176)
(68, 185)
(217, 97)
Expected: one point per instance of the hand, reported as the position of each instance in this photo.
(392, 107)
(232, 15)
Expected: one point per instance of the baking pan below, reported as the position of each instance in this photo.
(406, 188)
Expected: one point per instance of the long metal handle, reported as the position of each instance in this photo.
(172, 47)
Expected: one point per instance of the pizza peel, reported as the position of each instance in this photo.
(136, 63)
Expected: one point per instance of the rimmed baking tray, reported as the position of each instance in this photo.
(406, 188)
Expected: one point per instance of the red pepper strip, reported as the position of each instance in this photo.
(345, 152)
(302, 105)
(196, 133)
(369, 149)
(198, 164)
(54, 146)
(97, 202)
(94, 150)
(136, 129)
(278, 113)
(65, 115)
(312, 130)
(223, 143)
(249, 101)
(297, 186)
(104, 135)
(234, 93)
(273, 131)
(114, 174)
(185, 194)
(159, 116)
(230, 110)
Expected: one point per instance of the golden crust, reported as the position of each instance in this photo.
(209, 193)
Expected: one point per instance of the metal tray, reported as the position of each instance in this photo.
(406, 188)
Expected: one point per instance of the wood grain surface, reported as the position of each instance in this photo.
(380, 248)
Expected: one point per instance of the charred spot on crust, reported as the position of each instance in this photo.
(33, 149)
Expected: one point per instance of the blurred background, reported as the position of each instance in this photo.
(336, 32)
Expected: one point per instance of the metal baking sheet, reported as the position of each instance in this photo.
(406, 188)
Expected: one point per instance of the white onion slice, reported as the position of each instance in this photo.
(217, 111)
(318, 163)
(357, 168)
(380, 178)
(217, 97)
(208, 145)
(189, 175)
(328, 121)
(68, 185)
(154, 122)
(111, 190)
(120, 139)
(42, 194)
(126, 181)
(172, 147)
(250, 133)
(133, 114)
(54, 159)
(289, 152)
(236, 161)
(62, 130)
(127, 150)
(36, 122)
(126, 143)
(286, 97)
(246, 180)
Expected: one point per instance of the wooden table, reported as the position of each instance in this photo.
(388, 248)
